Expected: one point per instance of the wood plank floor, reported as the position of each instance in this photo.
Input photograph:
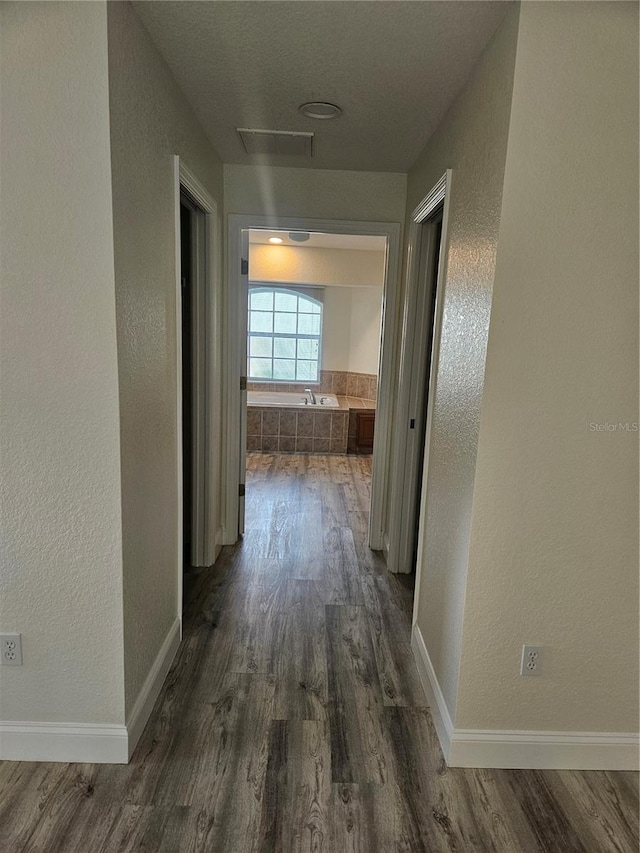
(293, 718)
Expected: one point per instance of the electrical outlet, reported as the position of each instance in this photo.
(531, 663)
(11, 649)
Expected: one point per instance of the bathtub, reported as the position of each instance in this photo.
(287, 399)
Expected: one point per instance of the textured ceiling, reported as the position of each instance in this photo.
(394, 68)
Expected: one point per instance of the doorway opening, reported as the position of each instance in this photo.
(269, 359)
(191, 217)
(313, 342)
(198, 473)
(418, 360)
(431, 246)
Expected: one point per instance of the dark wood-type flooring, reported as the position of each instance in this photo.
(293, 718)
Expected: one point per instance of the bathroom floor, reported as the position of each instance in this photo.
(293, 718)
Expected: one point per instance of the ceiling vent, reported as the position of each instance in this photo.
(283, 142)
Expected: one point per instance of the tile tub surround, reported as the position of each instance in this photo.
(296, 430)
(292, 431)
(338, 382)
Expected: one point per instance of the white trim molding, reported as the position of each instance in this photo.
(87, 743)
(66, 742)
(544, 750)
(525, 750)
(435, 197)
(191, 183)
(208, 368)
(152, 686)
(417, 371)
(437, 705)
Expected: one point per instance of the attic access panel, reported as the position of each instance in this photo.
(287, 143)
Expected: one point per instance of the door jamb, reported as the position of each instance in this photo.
(207, 367)
(439, 194)
(234, 369)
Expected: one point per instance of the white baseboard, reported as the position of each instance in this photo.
(67, 742)
(84, 742)
(228, 537)
(437, 705)
(153, 684)
(385, 550)
(219, 542)
(530, 750)
(544, 750)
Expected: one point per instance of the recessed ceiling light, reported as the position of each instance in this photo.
(275, 240)
(320, 109)
(299, 236)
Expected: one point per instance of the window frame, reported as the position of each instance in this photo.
(290, 290)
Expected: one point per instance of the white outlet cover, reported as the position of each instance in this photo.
(11, 649)
(531, 662)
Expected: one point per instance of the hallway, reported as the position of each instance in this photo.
(293, 718)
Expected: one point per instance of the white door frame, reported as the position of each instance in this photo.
(206, 287)
(234, 369)
(242, 342)
(415, 334)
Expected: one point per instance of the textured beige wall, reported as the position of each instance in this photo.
(61, 562)
(366, 316)
(554, 548)
(472, 140)
(351, 329)
(336, 328)
(150, 122)
(315, 193)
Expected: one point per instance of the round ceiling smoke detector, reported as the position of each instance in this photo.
(299, 236)
(320, 109)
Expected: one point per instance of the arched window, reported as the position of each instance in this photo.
(285, 330)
